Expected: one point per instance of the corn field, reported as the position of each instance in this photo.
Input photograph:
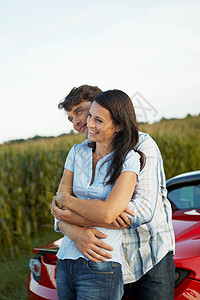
(30, 173)
(179, 143)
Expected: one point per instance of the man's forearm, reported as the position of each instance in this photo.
(68, 229)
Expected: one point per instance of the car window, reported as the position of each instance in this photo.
(187, 197)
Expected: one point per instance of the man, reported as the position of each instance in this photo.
(148, 243)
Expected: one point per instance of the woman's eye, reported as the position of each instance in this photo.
(89, 115)
(99, 120)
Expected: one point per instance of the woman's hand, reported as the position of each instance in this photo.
(61, 200)
(123, 220)
(63, 213)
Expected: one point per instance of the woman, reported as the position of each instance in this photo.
(102, 173)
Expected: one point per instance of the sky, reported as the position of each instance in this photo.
(150, 49)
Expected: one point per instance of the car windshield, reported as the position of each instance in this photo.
(186, 197)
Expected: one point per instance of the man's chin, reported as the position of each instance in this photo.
(84, 133)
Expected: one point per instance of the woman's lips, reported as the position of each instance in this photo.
(92, 132)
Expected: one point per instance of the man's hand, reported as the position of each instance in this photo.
(88, 242)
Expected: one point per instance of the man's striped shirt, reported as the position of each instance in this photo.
(151, 234)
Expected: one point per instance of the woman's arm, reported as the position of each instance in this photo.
(102, 211)
(66, 183)
(69, 216)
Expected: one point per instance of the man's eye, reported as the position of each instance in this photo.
(79, 111)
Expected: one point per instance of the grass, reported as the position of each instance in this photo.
(14, 271)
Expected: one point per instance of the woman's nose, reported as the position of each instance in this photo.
(90, 122)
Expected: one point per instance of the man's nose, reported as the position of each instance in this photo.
(76, 121)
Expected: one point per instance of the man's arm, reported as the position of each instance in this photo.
(146, 193)
(87, 241)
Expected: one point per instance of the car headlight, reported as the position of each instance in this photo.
(35, 267)
(180, 274)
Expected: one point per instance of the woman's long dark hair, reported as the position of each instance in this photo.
(122, 113)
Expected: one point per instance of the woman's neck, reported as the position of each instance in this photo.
(102, 150)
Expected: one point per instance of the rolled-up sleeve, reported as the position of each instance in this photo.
(132, 163)
(70, 160)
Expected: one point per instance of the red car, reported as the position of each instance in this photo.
(184, 194)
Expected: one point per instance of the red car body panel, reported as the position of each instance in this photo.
(187, 236)
(188, 290)
(38, 291)
(186, 225)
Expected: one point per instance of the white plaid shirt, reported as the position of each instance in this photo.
(151, 236)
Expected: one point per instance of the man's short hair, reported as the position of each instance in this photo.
(78, 95)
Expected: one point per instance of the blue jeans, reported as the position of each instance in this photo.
(158, 283)
(85, 280)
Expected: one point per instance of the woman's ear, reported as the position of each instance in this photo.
(120, 127)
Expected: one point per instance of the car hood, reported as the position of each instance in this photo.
(187, 233)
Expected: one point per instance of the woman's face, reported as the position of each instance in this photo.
(101, 128)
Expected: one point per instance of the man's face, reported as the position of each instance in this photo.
(78, 116)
